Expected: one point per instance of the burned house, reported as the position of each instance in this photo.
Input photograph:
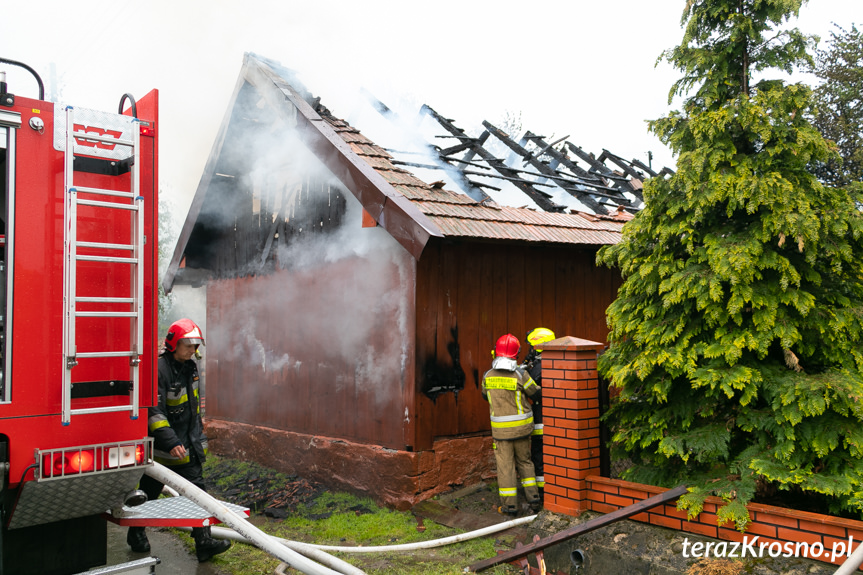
(352, 307)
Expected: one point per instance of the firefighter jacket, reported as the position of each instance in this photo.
(507, 392)
(176, 418)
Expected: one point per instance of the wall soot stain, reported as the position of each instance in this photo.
(440, 378)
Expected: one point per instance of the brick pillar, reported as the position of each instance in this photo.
(570, 414)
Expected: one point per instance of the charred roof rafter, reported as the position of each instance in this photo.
(545, 169)
(541, 199)
(590, 179)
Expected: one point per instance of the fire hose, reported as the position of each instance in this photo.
(316, 552)
(224, 533)
(241, 525)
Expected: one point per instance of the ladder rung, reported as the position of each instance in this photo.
(106, 299)
(107, 259)
(104, 139)
(101, 409)
(106, 314)
(102, 192)
(102, 246)
(131, 207)
(107, 354)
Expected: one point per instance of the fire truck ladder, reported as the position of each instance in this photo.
(132, 202)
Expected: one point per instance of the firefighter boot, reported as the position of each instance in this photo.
(137, 540)
(207, 547)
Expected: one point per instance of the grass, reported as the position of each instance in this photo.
(346, 520)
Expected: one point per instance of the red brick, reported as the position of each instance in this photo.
(574, 444)
(548, 392)
(664, 521)
(692, 527)
(564, 508)
(774, 519)
(552, 470)
(553, 451)
(672, 511)
(642, 517)
(555, 489)
(636, 494)
(569, 364)
(581, 394)
(577, 484)
(599, 486)
(797, 535)
(582, 433)
(602, 507)
(581, 454)
(554, 412)
(580, 414)
(761, 529)
(563, 404)
(548, 374)
(596, 496)
(581, 473)
(619, 501)
(729, 534)
(822, 528)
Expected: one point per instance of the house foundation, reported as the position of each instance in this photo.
(394, 478)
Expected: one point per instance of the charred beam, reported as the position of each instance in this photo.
(538, 197)
(543, 168)
(622, 164)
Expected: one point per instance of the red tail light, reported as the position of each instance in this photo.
(104, 457)
(81, 462)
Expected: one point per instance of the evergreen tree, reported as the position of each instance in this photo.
(839, 102)
(735, 336)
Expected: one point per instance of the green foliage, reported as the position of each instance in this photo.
(735, 336)
(839, 106)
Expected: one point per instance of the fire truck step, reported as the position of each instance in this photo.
(170, 512)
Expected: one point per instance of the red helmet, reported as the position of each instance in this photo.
(182, 329)
(507, 346)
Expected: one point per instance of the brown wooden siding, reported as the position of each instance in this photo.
(469, 294)
(323, 351)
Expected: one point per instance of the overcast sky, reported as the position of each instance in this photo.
(569, 67)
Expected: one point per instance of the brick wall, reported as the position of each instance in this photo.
(570, 399)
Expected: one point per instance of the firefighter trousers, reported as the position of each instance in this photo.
(513, 460)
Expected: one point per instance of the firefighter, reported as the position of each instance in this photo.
(533, 365)
(177, 429)
(506, 387)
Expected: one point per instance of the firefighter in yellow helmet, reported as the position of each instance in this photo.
(507, 387)
(533, 365)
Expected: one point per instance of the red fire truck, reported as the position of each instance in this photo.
(78, 322)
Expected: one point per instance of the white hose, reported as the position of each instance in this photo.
(239, 524)
(224, 533)
(305, 549)
(851, 564)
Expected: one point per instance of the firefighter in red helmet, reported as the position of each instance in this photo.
(506, 387)
(177, 429)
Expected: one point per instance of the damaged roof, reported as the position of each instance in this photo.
(458, 215)
(413, 211)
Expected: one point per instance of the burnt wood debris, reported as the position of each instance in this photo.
(552, 165)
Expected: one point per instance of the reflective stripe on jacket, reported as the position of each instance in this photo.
(509, 409)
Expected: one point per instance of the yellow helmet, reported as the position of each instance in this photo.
(539, 336)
